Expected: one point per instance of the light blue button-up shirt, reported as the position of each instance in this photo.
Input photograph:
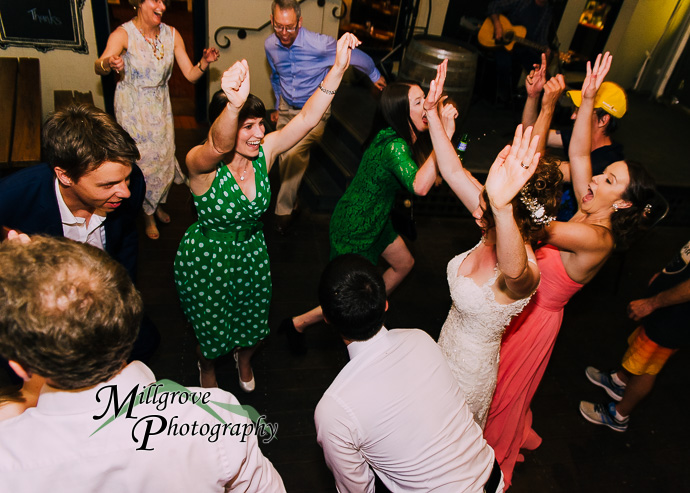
(298, 70)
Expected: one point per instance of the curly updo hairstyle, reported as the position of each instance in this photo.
(647, 206)
(545, 187)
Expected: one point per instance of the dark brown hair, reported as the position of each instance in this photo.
(79, 138)
(646, 206)
(545, 187)
(394, 112)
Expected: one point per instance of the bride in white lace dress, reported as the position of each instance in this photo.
(494, 281)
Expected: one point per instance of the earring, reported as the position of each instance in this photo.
(615, 207)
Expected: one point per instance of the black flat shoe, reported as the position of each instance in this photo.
(297, 341)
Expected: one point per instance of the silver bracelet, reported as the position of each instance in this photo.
(199, 65)
(326, 91)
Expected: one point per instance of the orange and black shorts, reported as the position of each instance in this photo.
(644, 356)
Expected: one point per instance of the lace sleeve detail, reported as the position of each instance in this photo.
(399, 158)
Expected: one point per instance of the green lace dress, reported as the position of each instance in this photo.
(222, 271)
(361, 221)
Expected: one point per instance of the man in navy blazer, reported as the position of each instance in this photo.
(90, 189)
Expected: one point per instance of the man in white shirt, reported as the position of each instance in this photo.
(69, 313)
(395, 408)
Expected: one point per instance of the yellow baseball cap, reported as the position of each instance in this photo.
(610, 97)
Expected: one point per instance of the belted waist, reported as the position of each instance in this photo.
(231, 236)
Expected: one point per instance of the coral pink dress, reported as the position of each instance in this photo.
(525, 352)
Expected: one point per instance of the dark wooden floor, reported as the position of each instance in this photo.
(575, 456)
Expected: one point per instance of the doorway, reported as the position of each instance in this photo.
(188, 17)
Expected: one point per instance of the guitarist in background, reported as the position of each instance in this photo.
(536, 16)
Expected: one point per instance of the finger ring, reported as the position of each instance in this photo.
(523, 165)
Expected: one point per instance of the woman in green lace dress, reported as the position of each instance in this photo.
(398, 158)
(222, 270)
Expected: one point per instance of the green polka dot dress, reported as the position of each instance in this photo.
(222, 272)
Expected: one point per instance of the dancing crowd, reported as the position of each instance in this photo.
(422, 415)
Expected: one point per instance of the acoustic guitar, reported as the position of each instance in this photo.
(511, 36)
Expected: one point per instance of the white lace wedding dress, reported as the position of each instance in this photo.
(471, 336)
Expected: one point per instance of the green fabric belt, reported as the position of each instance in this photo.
(232, 236)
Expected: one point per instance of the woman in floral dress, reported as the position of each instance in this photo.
(142, 52)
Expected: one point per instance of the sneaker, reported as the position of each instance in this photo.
(603, 414)
(605, 381)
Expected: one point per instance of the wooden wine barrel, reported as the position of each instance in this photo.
(424, 54)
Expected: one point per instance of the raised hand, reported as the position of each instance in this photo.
(346, 44)
(553, 90)
(436, 87)
(595, 75)
(448, 113)
(211, 55)
(235, 83)
(534, 83)
(513, 167)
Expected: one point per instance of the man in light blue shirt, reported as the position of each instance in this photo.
(299, 61)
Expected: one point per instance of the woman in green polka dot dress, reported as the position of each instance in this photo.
(222, 270)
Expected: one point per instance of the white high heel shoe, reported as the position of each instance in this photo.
(246, 386)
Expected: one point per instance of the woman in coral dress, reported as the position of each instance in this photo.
(525, 353)
(613, 206)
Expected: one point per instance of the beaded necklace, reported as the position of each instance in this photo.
(155, 44)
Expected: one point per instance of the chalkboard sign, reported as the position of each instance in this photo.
(42, 24)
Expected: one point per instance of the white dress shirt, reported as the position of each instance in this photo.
(75, 228)
(53, 447)
(396, 408)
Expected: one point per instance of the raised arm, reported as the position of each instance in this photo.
(534, 83)
(580, 150)
(203, 159)
(111, 58)
(552, 92)
(281, 140)
(193, 72)
(460, 181)
(513, 167)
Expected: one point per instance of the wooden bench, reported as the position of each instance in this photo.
(63, 99)
(20, 112)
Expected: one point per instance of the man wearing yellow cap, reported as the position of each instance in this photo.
(610, 105)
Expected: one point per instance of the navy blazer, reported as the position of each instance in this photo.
(28, 203)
